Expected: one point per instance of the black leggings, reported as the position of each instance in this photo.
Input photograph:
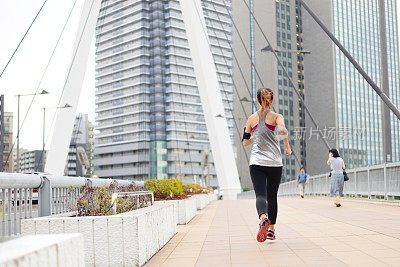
(266, 182)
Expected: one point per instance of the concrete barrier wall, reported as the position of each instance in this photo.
(202, 200)
(212, 197)
(127, 239)
(185, 209)
(65, 250)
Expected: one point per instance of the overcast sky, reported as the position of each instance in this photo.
(23, 74)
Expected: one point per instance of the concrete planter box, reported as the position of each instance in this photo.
(212, 197)
(202, 200)
(43, 250)
(126, 239)
(185, 209)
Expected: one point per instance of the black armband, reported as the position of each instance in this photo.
(246, 136)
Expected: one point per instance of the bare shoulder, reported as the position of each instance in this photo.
(253, 116)
(276, 115)
(253, 119)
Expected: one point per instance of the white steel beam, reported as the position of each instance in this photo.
(210, 95)
(58, 152)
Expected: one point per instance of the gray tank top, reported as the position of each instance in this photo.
(266, 150)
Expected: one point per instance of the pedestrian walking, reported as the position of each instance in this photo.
(337, 178)
(263, 129)
(302, 178)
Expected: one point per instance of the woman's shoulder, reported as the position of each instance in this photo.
(275, 114)
(254, 116)
(253, 119)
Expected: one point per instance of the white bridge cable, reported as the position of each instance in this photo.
(69, 71)
(70, 67)
(59, 100)
(23, 38)
(42, 78)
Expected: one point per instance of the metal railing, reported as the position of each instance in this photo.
(380, 181)
(24, 196)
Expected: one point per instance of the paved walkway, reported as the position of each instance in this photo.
(310, 232)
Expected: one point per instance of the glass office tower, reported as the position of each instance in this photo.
(359, 109)
(149, 115)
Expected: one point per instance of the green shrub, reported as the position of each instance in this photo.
(128, 203)
(195, 189)
(96, 201)
(166, 188)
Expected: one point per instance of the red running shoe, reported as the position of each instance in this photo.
(262, 232)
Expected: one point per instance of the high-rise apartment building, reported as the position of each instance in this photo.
(278, 22)
(81, 148)
(32, 161)
(346, 108)
(149, 114)
(1, 131)
(8, 159)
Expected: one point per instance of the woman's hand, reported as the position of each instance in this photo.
(288, 150)
(283, 134)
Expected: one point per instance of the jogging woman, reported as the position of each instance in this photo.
(263, 129)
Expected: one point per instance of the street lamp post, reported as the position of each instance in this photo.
(268, 48)
(44, 131)
(43, 92)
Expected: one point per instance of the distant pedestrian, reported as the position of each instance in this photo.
(337, 177)
(266, 160)
(302, 178)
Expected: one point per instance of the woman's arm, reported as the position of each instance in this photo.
(330, 157)
(284, 134)
(344, 166)
(247, 130)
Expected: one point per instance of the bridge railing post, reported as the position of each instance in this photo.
(355, 183)
(385, 182)
(327, 184)
(45, 197)
(369, 183)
